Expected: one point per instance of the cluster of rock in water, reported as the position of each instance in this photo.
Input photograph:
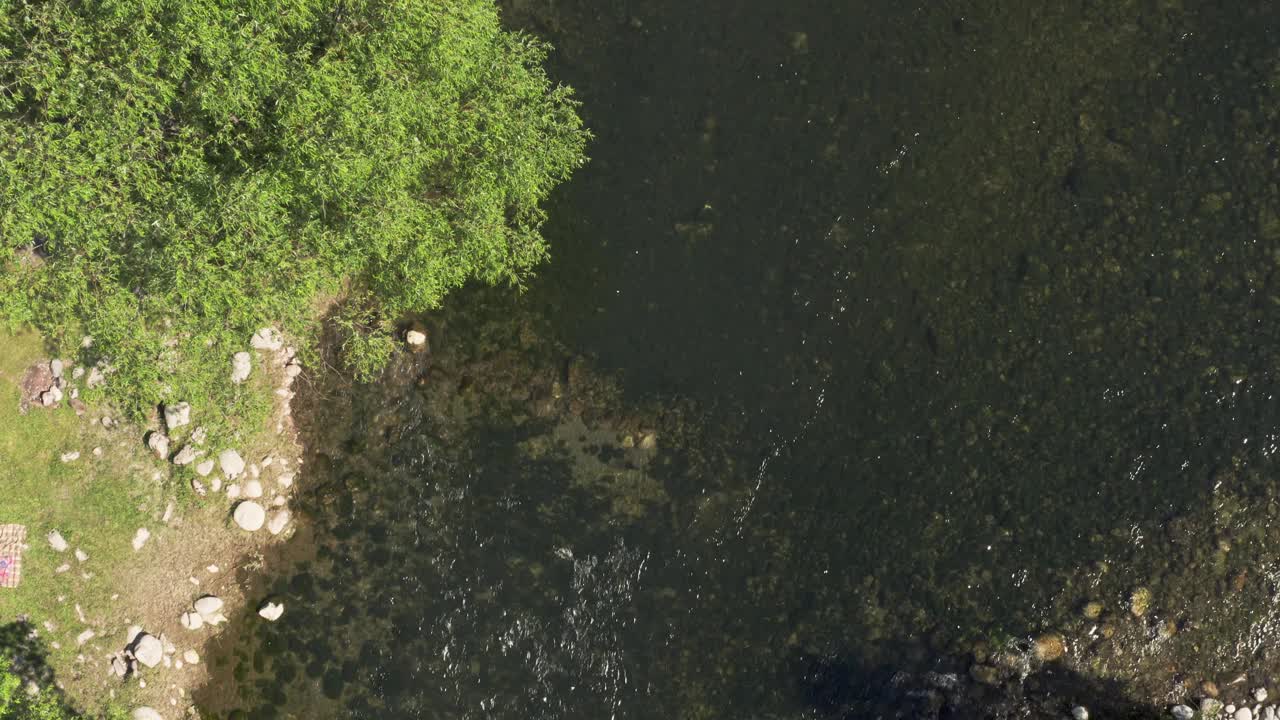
(1211, 708)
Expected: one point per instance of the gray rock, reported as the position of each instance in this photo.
(231, 463)
(96, 378)
(191, 620)
(118, 666)
(241, 366)
(191, 657)
(1243, 713)
(57, 542)
(145, 713)
(209, 607)
(249, 515)
(1182, 712)
(199, 435)
(140, 538)
(177, 415)
(55, 366)
(252, 489)
(148, 650)
(187, 455)
(159, 444)
(205, 468)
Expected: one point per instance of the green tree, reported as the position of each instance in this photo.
(175, 174)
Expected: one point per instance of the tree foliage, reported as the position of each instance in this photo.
(190, 170)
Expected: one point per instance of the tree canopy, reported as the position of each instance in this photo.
(177, 173)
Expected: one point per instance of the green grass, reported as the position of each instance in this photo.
(95, 502)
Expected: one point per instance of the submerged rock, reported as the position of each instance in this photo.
(250, 516)
(1049, 646)
(1140, 603)
(271, 611)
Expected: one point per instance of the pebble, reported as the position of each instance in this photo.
(252, 489)
(55, 366)
(233, 491)
(70, 456)
(97, 452)
(186, 455)
(1260, 694)
(231, 463)
(212, 568)
(249, 515)
(197, 487)
(57, 542)
(140, 538)
(415, 337)
(191, 657)
(145, 713)
(205, 468)
(81, 555)
(215, 484)
(1243, 713)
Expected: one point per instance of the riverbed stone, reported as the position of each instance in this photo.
(250, 516)
(271, 611)
(177, 415)
(231, 463)
(241, 366)
(148, 650)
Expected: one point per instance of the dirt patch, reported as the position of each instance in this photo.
(37, 380)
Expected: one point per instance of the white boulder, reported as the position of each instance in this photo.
(57, 542)
(249, 515)
(191, 620)
(205, 468)
(145, 713)
(416, 338)
(266, 339)
(271, 611)
(279, 522)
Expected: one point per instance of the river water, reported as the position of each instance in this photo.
(942, 319)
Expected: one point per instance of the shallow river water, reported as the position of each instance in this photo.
(942, 319)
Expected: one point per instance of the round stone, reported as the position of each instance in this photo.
(250, 516)
(146, 713)
(208, 606)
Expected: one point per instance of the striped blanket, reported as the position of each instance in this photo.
(12, 540)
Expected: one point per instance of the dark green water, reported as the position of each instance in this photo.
(930, 307)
